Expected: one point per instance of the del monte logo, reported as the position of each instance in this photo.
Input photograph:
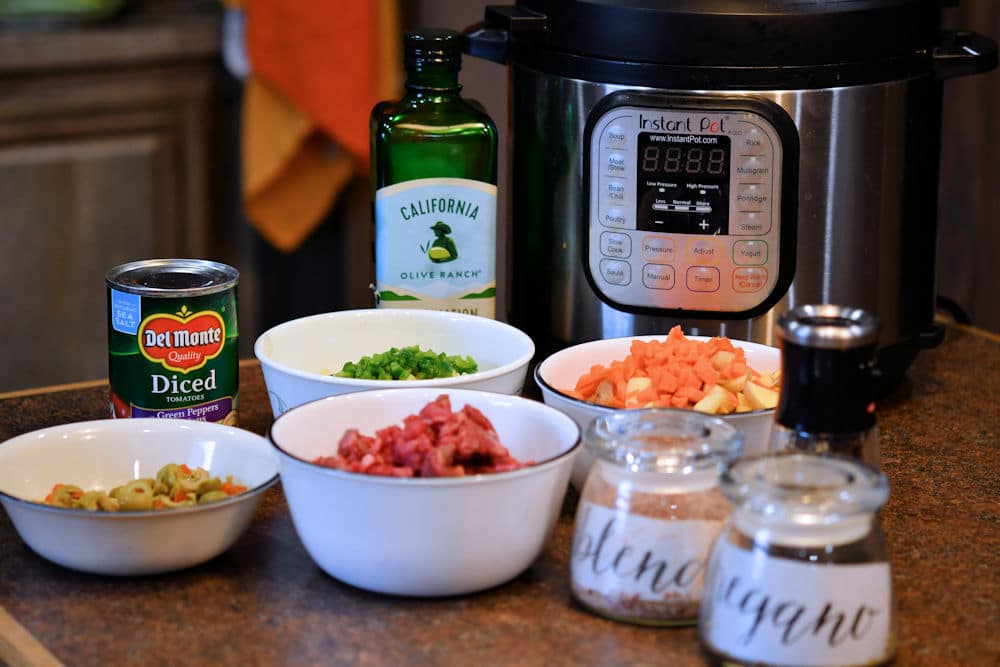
(184, 341)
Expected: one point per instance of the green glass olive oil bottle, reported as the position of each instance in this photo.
(434, 175)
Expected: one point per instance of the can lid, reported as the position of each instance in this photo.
(172, 277)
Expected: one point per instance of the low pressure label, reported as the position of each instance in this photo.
(126, 312)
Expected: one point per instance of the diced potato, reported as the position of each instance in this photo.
(635, 385)
(721, 360)
(605, 392)
(717, 401)
(742, 404)
(760, 397)
(736, 384)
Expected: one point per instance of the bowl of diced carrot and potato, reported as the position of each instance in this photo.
(735, 380)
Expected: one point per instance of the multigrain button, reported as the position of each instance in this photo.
(659, 276)
(615, 272)
(703, 279)
(616, 164)
(659, 249)
(749, 279)
(616, 245)
(704, 251)
(752, 169)
(750, 253)
(614, 217)
(614, 137)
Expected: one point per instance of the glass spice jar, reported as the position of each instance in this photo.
(800, 575)
(649, 513)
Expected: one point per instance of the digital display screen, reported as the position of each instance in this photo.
(683, 183)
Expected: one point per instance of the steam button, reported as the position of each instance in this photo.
(615, 272)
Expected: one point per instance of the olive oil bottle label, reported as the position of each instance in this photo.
(435, 245)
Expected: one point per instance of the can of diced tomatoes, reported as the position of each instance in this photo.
(172, 340)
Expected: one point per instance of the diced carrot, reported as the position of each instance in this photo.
(704, 370)
(668, 382)
(679, 401)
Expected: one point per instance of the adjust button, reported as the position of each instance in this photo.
(615, 272)
(749, 279)
(704, 251)
(703, 279)
(659, 276)
(616, 245)
(750, 253)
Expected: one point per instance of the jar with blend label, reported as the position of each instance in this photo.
(828, 383)
(800, 575)
(434, 174)
(649, 513)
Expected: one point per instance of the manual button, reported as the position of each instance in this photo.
(615, 272)
(659, 276)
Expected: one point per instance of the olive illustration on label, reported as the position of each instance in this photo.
(443, 248)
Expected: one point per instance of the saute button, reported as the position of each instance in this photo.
(749, 279)
(614, 137)
(752, 253)
(703, 279)
(659, 276)
(616, 164)
(615, 272)
(616, 245)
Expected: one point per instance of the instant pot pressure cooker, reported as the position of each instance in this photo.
(714, 163)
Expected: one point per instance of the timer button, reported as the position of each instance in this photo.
(615, 272)
(703, 279)
(614, 217)
(614, 137)
(616, 245)
(616, 165)
(752, 253)
(659, 276)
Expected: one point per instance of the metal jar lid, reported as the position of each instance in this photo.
(172, 277)
(828, 326)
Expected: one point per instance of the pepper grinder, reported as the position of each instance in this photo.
(828, 382)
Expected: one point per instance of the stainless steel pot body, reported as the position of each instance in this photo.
(865, 228)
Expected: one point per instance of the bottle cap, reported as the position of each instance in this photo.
(433, 46)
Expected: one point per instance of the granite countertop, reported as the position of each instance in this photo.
(264, 602)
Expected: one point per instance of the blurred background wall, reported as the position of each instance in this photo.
(120, 139)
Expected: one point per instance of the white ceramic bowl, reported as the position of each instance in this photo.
(298, 356)
(106, 453)
(562, 369)
(424, 536)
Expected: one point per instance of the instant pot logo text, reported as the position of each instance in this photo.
(704, 124)
(183, 342)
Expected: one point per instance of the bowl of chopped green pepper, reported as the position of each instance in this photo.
(356, 350)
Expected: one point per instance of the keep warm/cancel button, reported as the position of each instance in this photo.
(749, 279)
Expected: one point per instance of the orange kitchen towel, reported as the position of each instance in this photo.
(318, 68)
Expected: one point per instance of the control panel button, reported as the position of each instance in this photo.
(749, 279)
(750, 223)
(615, 137)
(753, 142)
(616, 245)
(616, 165)
(750, 253)
(704, 251)
(614, 191)
(659, 249)
(703, 279)
(752, 169)
(614, 217)
(659, 276)
(616, 272)
(752, 198)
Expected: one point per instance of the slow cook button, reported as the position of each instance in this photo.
(614, 217)
(750, 253)
(750, 223)
(659, 249)
(615, 272)
(616, 165)
(614, 137)
(749, 279)
(616, 245)
(752, 198)
(659, 276)
(703, 279)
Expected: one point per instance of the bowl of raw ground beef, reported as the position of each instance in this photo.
(425, 492)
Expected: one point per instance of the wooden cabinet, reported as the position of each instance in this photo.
(104, 158)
